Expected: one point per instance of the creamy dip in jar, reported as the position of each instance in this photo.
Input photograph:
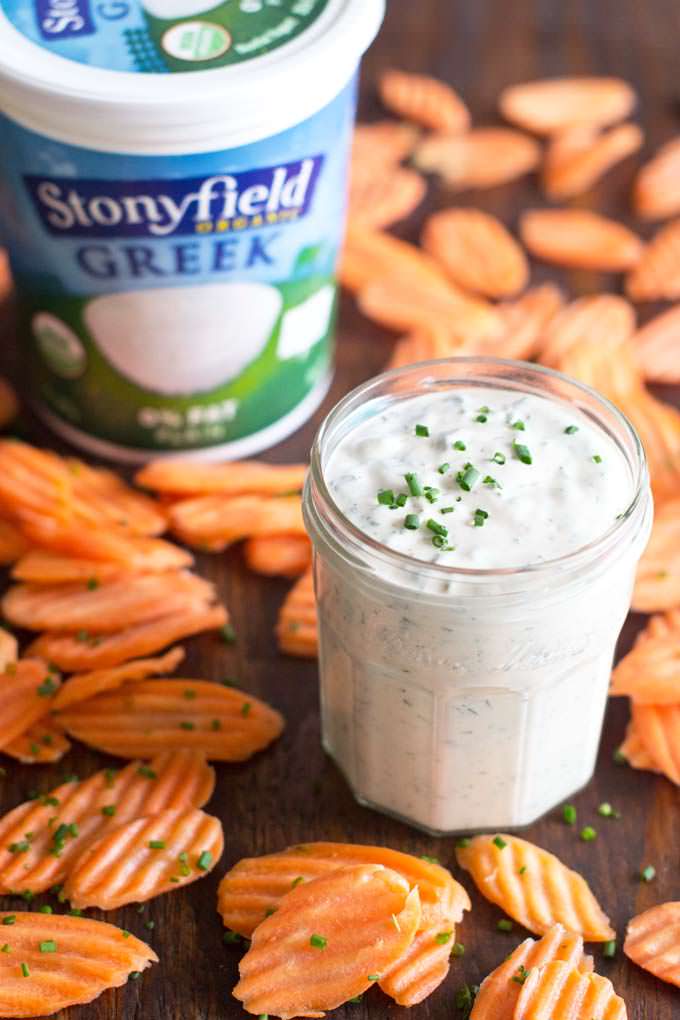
(477, 525)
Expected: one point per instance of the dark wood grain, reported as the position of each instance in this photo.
(293, 792)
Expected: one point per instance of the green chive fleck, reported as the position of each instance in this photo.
(145, 771)
(296, 882)
(443, 468)
(318, 941)
(588, 834)
(467, 478)
(412, 522)
(204, 861)
(518, 426)
(479, 517)
(429, 860)
(156, 844)
(228, 634)
(47, 688)
(443, 937)
(24, 970)
(459, 445)
(458, 949)
(187, 725)
(609, 949)
(48, 946)
(414, 486)
(569, 814)
(607, 811)
(245, 709)
(373, 977)
(619, 757)
(498, 458)
(109, 810)
(521, 975)
(504, 924)
(386, 497)
(422, 430)
(597, 458)
(648, 873)
(463, 842)
(6, 948)
(482, 419)
(499, 842)
(45, 909)
(570, 429)
(9, 919)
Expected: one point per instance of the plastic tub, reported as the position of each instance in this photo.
(172, 193)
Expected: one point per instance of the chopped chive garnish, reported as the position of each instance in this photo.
(134, 975)
(373, 977)
(619, 757)
(20, 848)
(522, 453)
(245, 709)
(354, 1001)
(92, 583)
(522, 869)
(45, 909)
(156, 844)
(498, 458)
(318, 941)
(570, 429)
(479, 517)
(412, 522)
(437, 528)
(443, 468)
(458, 949)
(597, 458)
(47, 688)
(24, 970)
(443, 937)
(296, 882)
(9, 919)
(521, 975)
(588, 834)
(149, 925)
(422, 430)
(431, 494)
(481, 418)
(189, 694)
(215, 724)
(465, 998)
(569, 814)
(609, 949)
(459, 445)
(6, 948)
(648, 873)
(401, 499)
(124, 933)
(386, 497)
(499, 842)
(231, 936)
(204, 861)
(109, 810)
(490, 480)
(505, 924)
(228, 634)
(446, 509)
(186, 725)
(414, 486)
(518, 426)
(463, 842)
(145, 771)
(467, 478)
(429, 860)
(48, 946)
(607, 811)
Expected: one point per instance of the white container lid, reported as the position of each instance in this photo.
(171, 114)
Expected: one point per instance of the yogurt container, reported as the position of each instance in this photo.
(172, 195)
(476, 526)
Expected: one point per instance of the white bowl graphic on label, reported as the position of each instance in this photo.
(184, 340)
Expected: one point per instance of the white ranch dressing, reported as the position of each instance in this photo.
(455, 709)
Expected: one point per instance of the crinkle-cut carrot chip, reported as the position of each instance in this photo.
(425, 100)
(51, 962)
(278, 555)
(257, 884)
(525, 321)
(369, 255)
(9, 649)
(560, 992)
(656, 191)
(380, 200)
(40, 566)
(63, 821)
(634, 751)
(658, 728)
(108, 607)
(13, 544)
(82, 653)
(577, 158)
(500, 990)
(114, 501)
(656, 346)
(296, 627)
(579, 239)
(328, 942)
(653, 941)
(86, 685)
(110, 544)
(42, 743)
(650, 672)
(423, 966)
(551, 105)
(144, 858)
(656, 276)
(234, 478)
(533, 886)
(481, 158)
(27, 690)
(220, 520)
(228, 724)
(583, 319)
(657, 583)
(383, 142)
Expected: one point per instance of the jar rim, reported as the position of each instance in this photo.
(570, 561)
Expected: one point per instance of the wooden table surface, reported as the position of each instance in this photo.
(292, 792)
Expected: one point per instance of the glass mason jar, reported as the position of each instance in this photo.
(463, 699)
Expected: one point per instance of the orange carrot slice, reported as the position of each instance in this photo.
(550, 105)
(296, 628)
(41, 743)
(108, 607)
(227, 724)
(585, 318)
(27, 690)
(75, 656)
(424, 965)
(545, 893)
(256, 885)
(650, 673)
(653, 941)
(383, 142)
(114, 502)
(499, 992)
(560, 992)
(235, 478)
(39, 566)
(145, 858)
(525, 322)
(55, 961)
(64, 821)
(656, 346)
(425, 100)
(328, 942)
(380, 200)
(9, 649)
(633, 750)
(13, 545)
(135, 552)
(370, 255)
(278, 555)
(87, 685)
(221, 520)
(658, 727)
(657, 583)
